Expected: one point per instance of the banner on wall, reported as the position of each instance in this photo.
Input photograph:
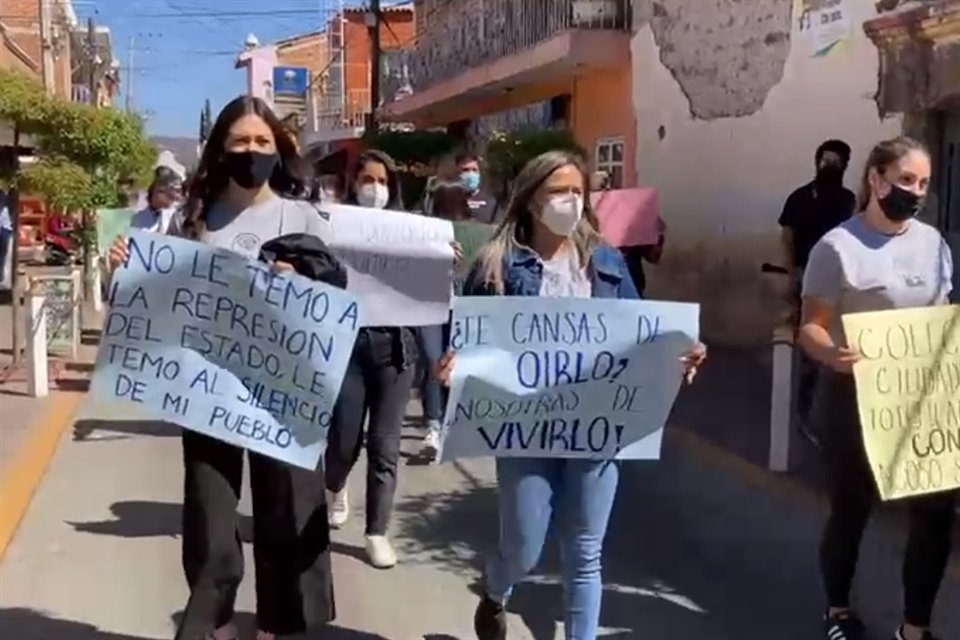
(826, 24)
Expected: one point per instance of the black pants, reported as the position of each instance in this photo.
(853, 494)
(291, 547)
(378, 383)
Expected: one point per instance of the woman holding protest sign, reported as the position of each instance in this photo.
(548, 246)
(240, 198)
(878, 260)
(377, 383)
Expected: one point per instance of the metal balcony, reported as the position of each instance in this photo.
(458, 35)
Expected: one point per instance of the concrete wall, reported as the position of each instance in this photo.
(730, 106)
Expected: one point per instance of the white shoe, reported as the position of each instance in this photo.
(338, 506)
(431, 444)
(380, 552)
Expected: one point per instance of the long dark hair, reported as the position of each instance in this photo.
(393, 178)
(882, 156)
(450, 201)
(210, 179)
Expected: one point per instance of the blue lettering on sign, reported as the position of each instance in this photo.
(282, 292)
(543, 369)
(250, 428)
(563, 400)
(137, 298)
(133, 359)
(281, 404)
(568, 328)
(156, 256)
(127, 387)
(556, 435)
(648, 329)
(257, 326)
(134, 328)
(211, 271)
(468, 330)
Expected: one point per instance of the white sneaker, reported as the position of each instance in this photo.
(380, 552)
(431, 444)
(338, 508)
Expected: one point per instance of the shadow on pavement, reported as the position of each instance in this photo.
(122, 429)
(27, 624)
(247, 626)
(149, 519)
(689, 554)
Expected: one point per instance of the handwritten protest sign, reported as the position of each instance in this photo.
(399, 264)
(627, 217)
(564, 378)
(908, 394)
(220, 345)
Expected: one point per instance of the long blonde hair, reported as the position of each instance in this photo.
(516, 228)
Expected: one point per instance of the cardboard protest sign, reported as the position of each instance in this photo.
(220, 345)
(627, 217)
(110, 224)
(564, 377)
(399, 264)
(472, 236)
(908, 395)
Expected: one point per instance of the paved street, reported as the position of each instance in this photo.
(695, 553)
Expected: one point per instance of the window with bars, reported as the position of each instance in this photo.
(608, 157)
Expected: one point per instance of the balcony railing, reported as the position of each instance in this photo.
(461, 34)
(334, 113)
(80, 93)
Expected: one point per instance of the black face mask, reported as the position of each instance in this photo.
(830, 175)
(250, 169)
(900, 204)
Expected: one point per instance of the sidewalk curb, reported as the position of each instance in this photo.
(22, 475)
(781, 486)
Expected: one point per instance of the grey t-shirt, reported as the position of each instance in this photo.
(856, 268)
(245, 231)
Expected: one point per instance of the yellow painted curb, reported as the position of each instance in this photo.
(23, 473)
(778, 485)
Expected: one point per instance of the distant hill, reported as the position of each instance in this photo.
(184, 149)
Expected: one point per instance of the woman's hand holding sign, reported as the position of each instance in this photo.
(692, 359)
(118, 254)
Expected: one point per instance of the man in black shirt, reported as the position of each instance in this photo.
(809, 213)
(818, 206)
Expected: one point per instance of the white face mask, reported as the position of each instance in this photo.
(562, 213)
(373, 195)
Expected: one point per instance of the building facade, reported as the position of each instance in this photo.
(731, 100)
(485, 65)
(919, 44)
(39, 45)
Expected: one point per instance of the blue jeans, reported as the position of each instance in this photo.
(432, 341)
(582, 493)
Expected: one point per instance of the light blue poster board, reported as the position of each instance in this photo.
(219, 344)
(564, 377)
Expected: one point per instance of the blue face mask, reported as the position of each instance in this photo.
(470, 180)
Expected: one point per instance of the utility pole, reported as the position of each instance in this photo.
(93, 59)
(373, 25)
(129, 100)
(15, 285)
(46, 47)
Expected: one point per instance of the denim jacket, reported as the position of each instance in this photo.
(523, 274)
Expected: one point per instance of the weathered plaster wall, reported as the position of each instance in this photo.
(725, 56)
(729, 114)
